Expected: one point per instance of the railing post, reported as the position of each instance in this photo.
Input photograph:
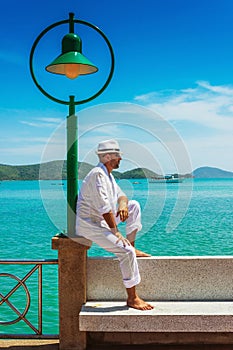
(72, 291)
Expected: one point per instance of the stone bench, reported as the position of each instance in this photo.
(189, 316)
(189, 294)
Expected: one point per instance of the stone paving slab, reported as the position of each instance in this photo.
(37, 344)
(54, 345)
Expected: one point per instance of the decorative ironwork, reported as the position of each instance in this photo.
(4, 299)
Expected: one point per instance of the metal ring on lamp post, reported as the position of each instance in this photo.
(40, 37)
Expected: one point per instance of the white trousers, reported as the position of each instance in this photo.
(107, 240)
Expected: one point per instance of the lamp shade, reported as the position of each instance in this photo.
(71, 62)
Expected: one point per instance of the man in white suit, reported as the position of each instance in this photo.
(101, 206)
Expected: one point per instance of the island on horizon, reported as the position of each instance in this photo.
(56, 170)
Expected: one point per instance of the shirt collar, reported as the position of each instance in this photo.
(102, 166)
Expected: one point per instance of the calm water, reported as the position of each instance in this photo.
(191, 218)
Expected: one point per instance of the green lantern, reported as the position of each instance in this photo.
(71, 62)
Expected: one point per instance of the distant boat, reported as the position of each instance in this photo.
(172, 179)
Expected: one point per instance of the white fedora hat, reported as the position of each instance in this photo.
(108, 146)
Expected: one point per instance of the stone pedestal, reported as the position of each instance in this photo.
(72, 291)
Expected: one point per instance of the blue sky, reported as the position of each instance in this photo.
(170, 102)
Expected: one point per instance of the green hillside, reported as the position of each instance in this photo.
(139, 173)
(54, 170)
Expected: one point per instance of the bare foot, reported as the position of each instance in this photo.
(139, 304)
(140, 254)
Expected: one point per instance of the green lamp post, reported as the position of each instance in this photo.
(71, 63)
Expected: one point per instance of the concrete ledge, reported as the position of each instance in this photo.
(166, 317)
(164, 278)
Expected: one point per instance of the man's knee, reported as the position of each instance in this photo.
(134, 206)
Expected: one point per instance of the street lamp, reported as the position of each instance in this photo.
(72, 63)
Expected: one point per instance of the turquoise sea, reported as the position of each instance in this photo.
(190, 218)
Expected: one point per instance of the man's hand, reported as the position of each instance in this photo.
(110, 220)
(123, 213)
(123, 209)
(122, 239)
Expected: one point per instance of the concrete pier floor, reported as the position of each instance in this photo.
(54, 345)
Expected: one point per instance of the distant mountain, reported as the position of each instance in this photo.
(15, 172)
(56, 170)
(139, 173)
(209, 172)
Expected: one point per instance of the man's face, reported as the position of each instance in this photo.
(115, 160)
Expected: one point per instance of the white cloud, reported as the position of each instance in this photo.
(24, 148)
(203, 116)
(47, 122)
(225, 90)
(143, 134)
(211, 106)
